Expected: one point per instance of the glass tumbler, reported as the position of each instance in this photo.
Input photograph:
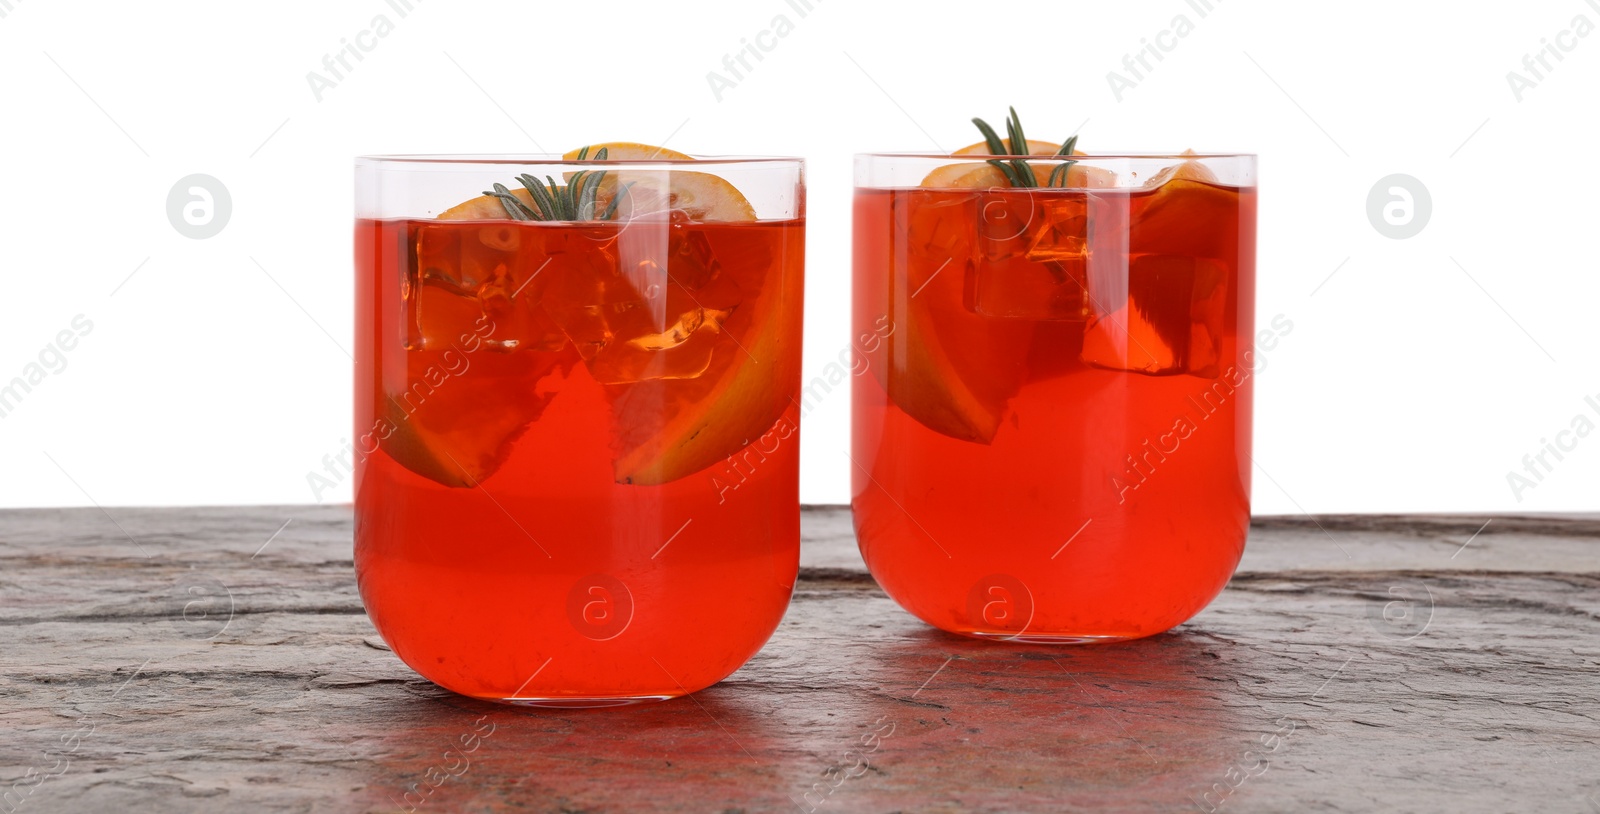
(576, 433)
(1054, 443)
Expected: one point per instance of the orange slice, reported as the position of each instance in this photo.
(1182, 171)
(477, 348)
(462, 432)
(667, 429)
(1034, 148)
(1189, 213)
(628, 151)
(701, 196)
(985, 175)
(672, 428)
(948, 386)
(947, 367)
(483, 207)
(980, 175)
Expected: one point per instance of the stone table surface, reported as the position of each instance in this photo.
(1355, 663)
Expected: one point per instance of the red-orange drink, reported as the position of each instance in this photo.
(577, 449)
(1055, 445)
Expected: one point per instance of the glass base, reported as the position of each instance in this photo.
(1026, 637)
(571, 702)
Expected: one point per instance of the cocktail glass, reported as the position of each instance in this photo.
(577, 435)
(1054, 445)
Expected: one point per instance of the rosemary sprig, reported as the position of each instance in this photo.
(552, 201)
(1017, 171)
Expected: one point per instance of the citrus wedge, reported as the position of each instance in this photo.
(667, 429)
(1034, 148)
(483, 207)
(1182, 171)
(1189, 213)
(701, 196)
(944, 382)
(983, 175)
(971, 175)
(462, 431)
(672, 428)
(945, 366)
(476, 347)
(628, 151)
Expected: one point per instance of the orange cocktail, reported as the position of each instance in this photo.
(579, 434)
(1055, 446)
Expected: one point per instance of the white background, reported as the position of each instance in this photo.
(1415, 378)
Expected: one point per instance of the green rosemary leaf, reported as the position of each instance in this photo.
(594, 191)
(1011, 174)
(513, 206)
(549, 200)
(587, 194)
(559, 196)
(541, 196)
(1025, 174)
(989, 137)
(1018, 171)
(553, 197)
(1066, 166)
(1019, 142)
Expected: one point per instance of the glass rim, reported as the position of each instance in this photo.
(1091, 157)
(530, 159)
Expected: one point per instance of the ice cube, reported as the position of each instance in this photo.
(1038, 271)
(935, 227)
(1006, 222)
(651, 305)
(477, 279)
(1169, 321)
(1062, 234)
